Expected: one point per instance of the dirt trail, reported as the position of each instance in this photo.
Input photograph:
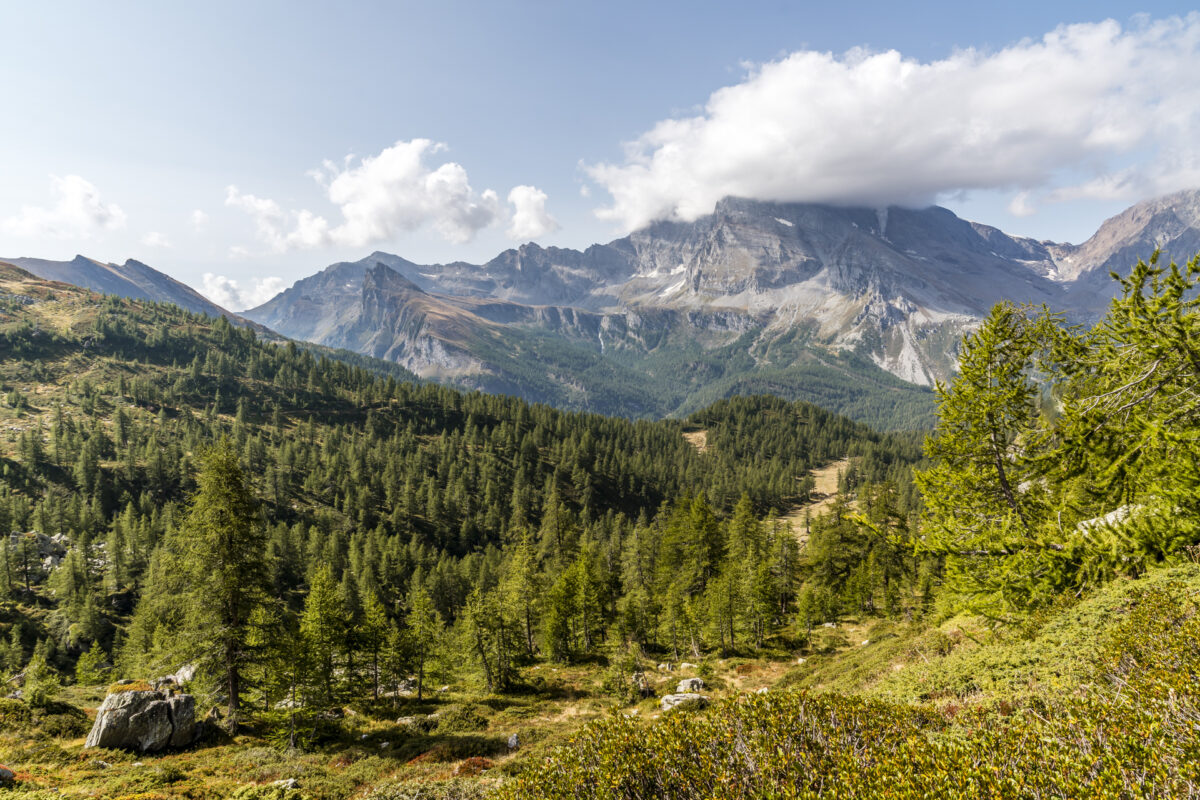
(697, 439)
(824, 493)
(825, 489)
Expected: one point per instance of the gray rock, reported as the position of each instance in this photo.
(185, 674)
(144, 720)
(689, 685)
(514, 742)
(686, 665)
(182, 708)
(683, 700)
(286, 783)
(7, 776)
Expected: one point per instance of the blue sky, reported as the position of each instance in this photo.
(193, 137)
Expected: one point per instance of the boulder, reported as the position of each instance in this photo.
(144, 720)
(683, 700)
(665, 667)
(7, 776)
(184, 674)
(686, 665)
(688, 685)
(514, 742)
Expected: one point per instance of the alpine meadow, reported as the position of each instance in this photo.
(803, 486)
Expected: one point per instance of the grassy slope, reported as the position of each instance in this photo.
(961, 661)
(1095, 699)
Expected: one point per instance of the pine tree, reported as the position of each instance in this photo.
(87, 668)
(322, 627)
(984, 503)
(373, 635)
(423, 632)
(225, 559)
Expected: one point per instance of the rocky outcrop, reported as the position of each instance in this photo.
(144, 719)
(671, 702)
(688, 685)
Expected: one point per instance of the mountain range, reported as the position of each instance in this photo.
(856, 309)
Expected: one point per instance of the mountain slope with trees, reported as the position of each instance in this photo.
(310, 532)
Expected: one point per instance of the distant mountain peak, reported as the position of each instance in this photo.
(132, 279)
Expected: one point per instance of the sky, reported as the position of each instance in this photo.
(242, 146)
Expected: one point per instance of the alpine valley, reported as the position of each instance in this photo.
(859, 310)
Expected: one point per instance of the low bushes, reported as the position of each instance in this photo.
(1131, 733)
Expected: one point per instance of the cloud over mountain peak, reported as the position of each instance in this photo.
(1087, 110)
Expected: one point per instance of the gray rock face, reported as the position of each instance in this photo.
(671, 702)
(689, 685)
(144, 720)
(784, 282)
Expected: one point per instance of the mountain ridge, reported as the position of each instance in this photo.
(753, 290)
(756, 296)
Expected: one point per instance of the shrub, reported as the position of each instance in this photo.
(266, 793)
(461, 718)
(132, 686)
(1133, 735)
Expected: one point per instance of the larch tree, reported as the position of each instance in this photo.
(225, 543)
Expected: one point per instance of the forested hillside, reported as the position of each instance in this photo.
(394, 530)
(1059, 655)
(329, 547)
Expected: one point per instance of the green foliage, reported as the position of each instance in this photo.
(461, 718)
(89, 668)
(1064, 458)
(266, 793)
(1132, 734)
(41, 682)
(224, 556)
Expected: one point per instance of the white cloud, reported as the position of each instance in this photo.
(1061, 115)
(199, 220)
(156, 239)
(1020, 206)
(79, 213)
(530, 219)
(381, 196)
(231, 294)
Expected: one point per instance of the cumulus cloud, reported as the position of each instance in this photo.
(78, 213)
(234, 295)
(529, 218)
(1054, 116)
(383, 195)
(199, 220)
(156, 239)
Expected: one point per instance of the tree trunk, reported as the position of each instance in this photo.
(234, 686)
